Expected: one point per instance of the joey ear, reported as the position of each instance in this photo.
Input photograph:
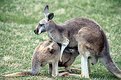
(46, 10)
(50, 16)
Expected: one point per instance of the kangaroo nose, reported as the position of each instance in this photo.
(36, 31)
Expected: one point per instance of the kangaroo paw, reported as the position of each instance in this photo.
(64, 74)
(84, 76)
(60, 60)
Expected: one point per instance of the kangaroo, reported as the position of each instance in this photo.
(83, 33)
(47, 52)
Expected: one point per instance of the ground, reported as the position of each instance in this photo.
(18, 19)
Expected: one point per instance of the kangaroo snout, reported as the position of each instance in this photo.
(36, 31)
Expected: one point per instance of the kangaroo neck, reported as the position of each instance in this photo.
(55, 27)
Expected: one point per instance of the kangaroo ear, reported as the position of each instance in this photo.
(50, 16)
(46, 10)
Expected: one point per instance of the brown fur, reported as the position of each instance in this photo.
(46, 53)
(91, 39)
(69, 29)
(88, 36)
(81, 32)
(94, 40)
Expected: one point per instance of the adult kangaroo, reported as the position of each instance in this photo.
(83, 33)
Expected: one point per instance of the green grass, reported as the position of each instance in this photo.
(18, 19)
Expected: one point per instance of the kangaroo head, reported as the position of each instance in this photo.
(45, 22)
(47, 51)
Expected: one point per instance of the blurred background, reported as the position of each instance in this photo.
(18, 19)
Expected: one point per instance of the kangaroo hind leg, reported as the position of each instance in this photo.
(84, 60)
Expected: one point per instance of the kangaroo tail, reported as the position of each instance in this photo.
(107, 60)
(17, 74)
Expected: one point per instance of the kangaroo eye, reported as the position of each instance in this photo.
(41, 24)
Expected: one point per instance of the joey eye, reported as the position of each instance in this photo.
(41, 24)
